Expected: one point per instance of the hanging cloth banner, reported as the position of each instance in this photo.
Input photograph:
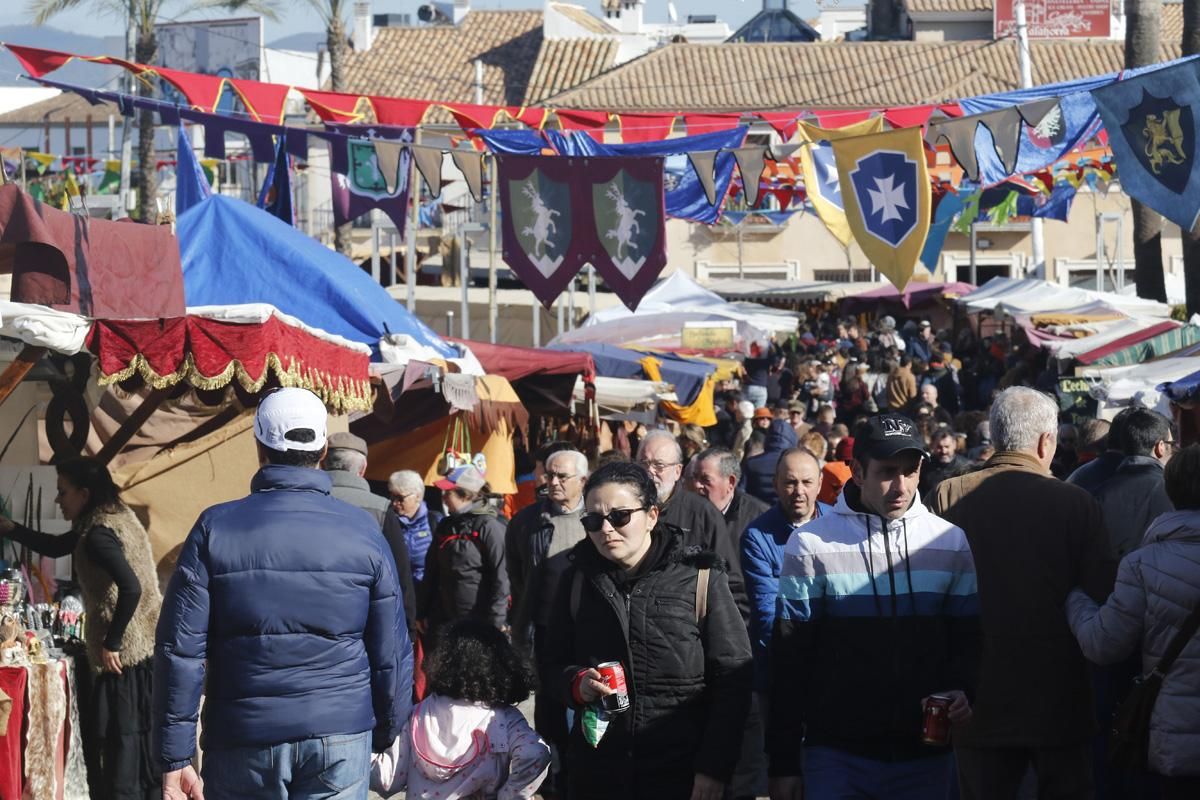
(1152, 123)
(359, 184)
(885, 186)
(191, 187)
(821, 174)
(751, 162)
(388, 155)
(703, 162)
(470, 164)
(943, 217)
(630, 223)
(429, 164)
(276, 196)
(542, 224)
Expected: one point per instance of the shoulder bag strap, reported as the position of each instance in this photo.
(701, 594)
(1180, 640)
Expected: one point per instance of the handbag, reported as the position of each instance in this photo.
(1129, 739)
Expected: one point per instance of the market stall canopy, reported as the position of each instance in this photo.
(915, 294)
(625, 398)
(1031, 296)
(1116, 387)
(666, 332)
(234, 253)
(686, 375)
(544, 380)
(680, 293)
(93, 267)
(1092, 337)
(785, 291)
(1151, 342)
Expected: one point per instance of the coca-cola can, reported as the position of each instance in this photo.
(936, 728)
(612, 674)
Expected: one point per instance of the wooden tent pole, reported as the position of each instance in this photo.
(132, 424)
(18, 369)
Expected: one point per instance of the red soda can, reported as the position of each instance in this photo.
(613, 676)
(936, 729)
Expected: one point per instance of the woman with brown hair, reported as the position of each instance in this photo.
(113, 565)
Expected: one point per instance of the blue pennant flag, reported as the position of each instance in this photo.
(1152, 122)
(947, 209)
(191, 187)
(276, 194)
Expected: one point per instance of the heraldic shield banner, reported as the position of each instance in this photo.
(562, 213)
(1152, 125)
(359, 184)
(539, 228)
(629, 223)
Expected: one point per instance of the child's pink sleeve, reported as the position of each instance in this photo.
(389, 769)
(529, 759)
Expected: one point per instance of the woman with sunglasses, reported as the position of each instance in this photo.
(632, 595)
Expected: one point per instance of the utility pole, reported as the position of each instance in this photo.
(122, 207)
(1037, 233)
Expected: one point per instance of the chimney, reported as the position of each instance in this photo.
(629, 17)
(363, 31)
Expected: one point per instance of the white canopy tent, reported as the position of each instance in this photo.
(1117, 387)
(1016, 296)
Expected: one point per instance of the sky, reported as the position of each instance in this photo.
(299, 17)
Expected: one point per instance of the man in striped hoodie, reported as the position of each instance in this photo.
(877, 611)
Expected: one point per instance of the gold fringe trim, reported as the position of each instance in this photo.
(340, 394)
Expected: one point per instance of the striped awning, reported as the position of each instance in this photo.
(1123, 353)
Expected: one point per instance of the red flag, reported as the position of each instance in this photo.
(582, 120)
(645, 127)
(202, 91)
(333, 106)
(840, 119)
(908, 117)
(710, 123)
(264, 101)
(398, 111)
(784, 122)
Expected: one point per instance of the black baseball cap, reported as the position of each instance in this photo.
(886, 435)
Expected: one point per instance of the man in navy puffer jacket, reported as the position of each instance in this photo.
(290, 597)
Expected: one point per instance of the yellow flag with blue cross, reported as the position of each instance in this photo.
(821, 175)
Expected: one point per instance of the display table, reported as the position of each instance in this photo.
(41, 748)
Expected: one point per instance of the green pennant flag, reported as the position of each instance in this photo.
(969, 213)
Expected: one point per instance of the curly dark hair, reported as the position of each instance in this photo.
(85, 472)
(628, 473)
(473, 661)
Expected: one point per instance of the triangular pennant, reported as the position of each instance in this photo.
(470, 164)
(821, 182)
(704, 162)
(751, 161)
(782, 152)
(1033, 113)
(645, 127)
(784, 122)
(388, 156)
(191, 187)
(960, 135)
(264, 101)
(399, 111)
(202, 91)
(429, 164)
(333, 106)
(1005, 127)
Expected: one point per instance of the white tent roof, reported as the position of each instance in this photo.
(1030, 296)
(1104, 332)
(622, 395)
(1136, 385)
(775, 289)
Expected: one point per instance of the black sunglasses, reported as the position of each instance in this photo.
(593, 521)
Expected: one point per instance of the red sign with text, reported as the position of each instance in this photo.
(1056, 19)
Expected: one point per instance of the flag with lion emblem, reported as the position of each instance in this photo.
(1152, 125)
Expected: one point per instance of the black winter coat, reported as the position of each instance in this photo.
(743, 510)
(688, 682)
(704, 528)
(1131, 499)
(465, 574)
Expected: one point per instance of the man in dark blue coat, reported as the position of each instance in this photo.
(285, 609)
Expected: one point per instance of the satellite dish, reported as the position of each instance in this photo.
(426, 13)
(672, 14)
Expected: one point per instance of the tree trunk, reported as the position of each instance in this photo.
(1143, 34)
(145, 52)
(1191, 242)
(335, 43)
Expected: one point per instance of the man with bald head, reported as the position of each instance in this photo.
(797, 484)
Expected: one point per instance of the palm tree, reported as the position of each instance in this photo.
(1191, 242)
(333, 14)
(1143, 32)
(141, 16)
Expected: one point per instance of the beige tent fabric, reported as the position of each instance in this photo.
(422, 449)
(169, 491)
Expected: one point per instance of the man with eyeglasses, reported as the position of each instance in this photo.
(538, 541)
(701, 523)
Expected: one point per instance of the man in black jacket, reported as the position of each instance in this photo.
(1135, 495)
(701, 524)
(1091, 475)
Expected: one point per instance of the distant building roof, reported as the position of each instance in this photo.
(775, 25)
(948, 6)
(583, 19)
(58, 109)
(437, 62)
(563, 63)
(731, 77)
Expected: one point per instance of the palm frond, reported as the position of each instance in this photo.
(43, 10)
(267, 8)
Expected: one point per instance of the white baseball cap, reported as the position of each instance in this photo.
(287, 410)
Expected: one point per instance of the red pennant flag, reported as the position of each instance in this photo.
(784, 196)
(202, 91)
(534, 117)
(264, 101)
(710, 123)
(582, 120)
(36, 61)
(840, 119)
(645, 127)
(908, 117)
(469, 115)
(333, 106)
(784, 122)
(951, 109)
(398, 111)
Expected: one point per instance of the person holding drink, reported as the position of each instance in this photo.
(647, 648)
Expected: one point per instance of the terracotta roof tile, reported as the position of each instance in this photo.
(729, 77)
(583, 18)
(563, 63)
(943, 6)
(436, 62)
(59, 108)
(1172, 22)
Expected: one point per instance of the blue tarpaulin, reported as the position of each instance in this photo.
(685, 374)
(234, 253)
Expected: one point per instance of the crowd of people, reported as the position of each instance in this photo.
(879, 523)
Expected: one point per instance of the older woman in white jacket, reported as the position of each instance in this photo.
(1158, 586)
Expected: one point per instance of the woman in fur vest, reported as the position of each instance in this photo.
(111, 556)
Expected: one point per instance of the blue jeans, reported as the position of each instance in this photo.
(756, 395)
(329, 768)
(832, 774)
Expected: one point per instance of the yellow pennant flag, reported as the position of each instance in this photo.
(885, 186)
(43, 160)
(821, 175)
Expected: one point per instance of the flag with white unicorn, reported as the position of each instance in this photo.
(630, 224)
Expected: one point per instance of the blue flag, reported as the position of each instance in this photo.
(947, 208)
(1152, 121)
(276, 194)
(191, 187)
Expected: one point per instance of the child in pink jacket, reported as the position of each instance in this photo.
(466, 739)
